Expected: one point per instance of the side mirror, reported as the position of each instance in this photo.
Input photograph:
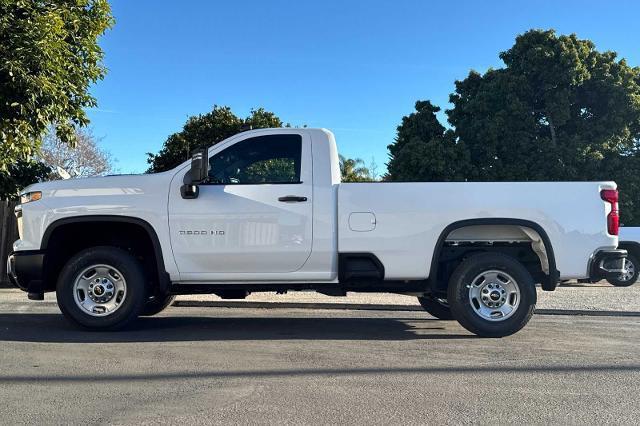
(198, 173)
(189, 191)
(199, 165)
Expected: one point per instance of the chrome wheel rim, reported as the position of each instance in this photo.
(99, 290)
(629, 271)
(494, 295)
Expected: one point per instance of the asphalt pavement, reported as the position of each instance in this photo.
(192, 365)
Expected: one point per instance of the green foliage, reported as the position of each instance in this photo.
(558, 111)
(354, 170)
(205, 130)
(275, 169)
(20, 175)
(424, 150)
(49, 57)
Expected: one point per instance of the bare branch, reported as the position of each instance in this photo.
(86, 159)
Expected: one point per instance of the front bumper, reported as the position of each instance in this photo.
(25, 270)
(608, 263)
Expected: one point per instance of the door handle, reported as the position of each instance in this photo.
(292, 199)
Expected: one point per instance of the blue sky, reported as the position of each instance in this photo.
(355, 67)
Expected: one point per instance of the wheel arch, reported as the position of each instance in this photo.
(162, 275)
(633, 247)
(552, 277)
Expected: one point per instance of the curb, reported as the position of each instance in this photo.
(587, 313)
(372, 307)
(339, 306)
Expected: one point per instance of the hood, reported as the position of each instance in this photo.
(106, 185)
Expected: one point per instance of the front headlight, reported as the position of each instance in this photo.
(28, 197)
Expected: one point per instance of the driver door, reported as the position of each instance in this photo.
(254, 216)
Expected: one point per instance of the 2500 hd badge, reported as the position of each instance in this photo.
(212, 232)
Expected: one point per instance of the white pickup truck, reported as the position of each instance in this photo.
(265, 211)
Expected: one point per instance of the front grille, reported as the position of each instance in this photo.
(20, 226)
(11, 266)
(18, 212)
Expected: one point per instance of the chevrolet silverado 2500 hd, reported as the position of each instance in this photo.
(265, 211)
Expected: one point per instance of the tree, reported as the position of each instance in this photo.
(49, 57)
(354, 170)
(205, 130)
(424, 150)
(86, 159)
(20, 175)
(373, 170)
(558, 110)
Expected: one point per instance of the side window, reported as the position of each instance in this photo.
(263, 159)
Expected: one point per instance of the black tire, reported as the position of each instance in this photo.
(157, 304)
(466, 312)
(438, 308)
(132, 300)
(625, 280)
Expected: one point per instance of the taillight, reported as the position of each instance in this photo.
(613, 219)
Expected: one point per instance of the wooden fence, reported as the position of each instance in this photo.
(8, 234)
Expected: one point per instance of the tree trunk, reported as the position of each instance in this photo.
(8, 234)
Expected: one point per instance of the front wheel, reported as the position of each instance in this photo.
(630, 275)
(101, 288)
(492, 295)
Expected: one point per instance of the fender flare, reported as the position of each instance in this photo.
(554, 275)
(163, 276)
(631, 246)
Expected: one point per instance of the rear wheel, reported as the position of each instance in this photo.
(492, 295)
(437, 307)
(630, 276)
(101, 288)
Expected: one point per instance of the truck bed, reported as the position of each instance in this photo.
(401, 223)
